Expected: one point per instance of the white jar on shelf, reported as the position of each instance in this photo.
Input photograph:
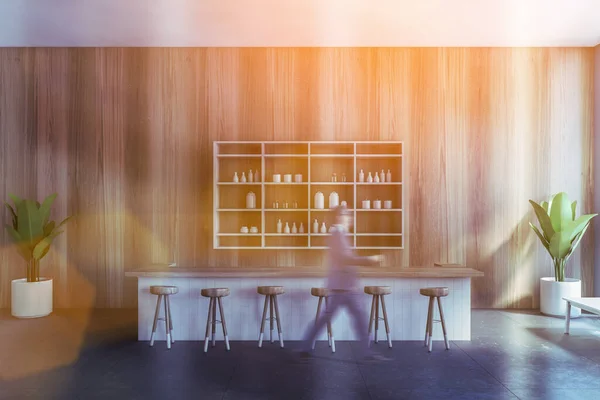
(250, 200)
(334, 200)
(319, 201)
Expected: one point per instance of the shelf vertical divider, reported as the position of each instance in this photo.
(263, 222)
(215, 195)
(355, 198)
(308, 179)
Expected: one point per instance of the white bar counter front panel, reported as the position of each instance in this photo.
(406, 308)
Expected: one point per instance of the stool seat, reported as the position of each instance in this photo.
(434, 291)
(378, 290)
(270, 290)
(319, 292)
(215, 292)
(164, 290)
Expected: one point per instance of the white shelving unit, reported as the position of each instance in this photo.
(317, 162)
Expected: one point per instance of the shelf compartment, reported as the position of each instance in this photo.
(322, 169)
(284, 241)
(322, 240)
(285, 216)
(239, 242)
(379, 210)
(378, 223)
(285, 165)
(378, 192)
(332, 148)
(345, 193)
(228, 166)
(290, 193)
(376, 164)
(379, 242)
(378, 148)
(231, 223)
(286, 149)
(239, 149)
(234, 197)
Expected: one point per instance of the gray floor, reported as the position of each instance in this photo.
(83, 355)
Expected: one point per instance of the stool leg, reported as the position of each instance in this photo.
(385, 320)
(262, 323)
(371, 317)
(439, 301)
(427, 322)
(431, 318)
(317, 318)
(214, 321)
(331, 338)
(376, 317)
(271, 318)
(170, 319)
(278, 319)
(207, 336)
(167, 331)
(155, 320)
(223, 324)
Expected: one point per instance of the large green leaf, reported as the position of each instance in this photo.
(545, 206)
(561, 213)
(542, 238)
(45, 207)
(544, 220)
(41, 249)
(15, 199)
(560, 244)
(13, 214)
(574, 208)
(576, 241)
(580, 223)
(49, 227)
(22, 246)
(31, 228)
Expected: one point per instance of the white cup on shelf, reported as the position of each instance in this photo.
(253, 229)
(366, 204)
(377, 204)
(387, 204)
(277, 178)
(287, 178)
(244, 229)
(298, 178)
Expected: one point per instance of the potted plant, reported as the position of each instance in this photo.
(33, 233)
(560, 234)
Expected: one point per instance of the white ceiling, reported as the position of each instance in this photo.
(299, 23)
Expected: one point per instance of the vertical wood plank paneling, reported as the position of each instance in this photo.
(125, 137)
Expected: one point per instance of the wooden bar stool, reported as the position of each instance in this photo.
(378, 292)
(163, 292)
(434, 293)
(215, 295)
(323, 293)
(270, 293)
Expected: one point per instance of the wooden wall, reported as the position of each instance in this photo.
(125, 135)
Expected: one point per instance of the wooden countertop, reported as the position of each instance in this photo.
(301, 272)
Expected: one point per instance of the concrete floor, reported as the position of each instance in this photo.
(95, 355)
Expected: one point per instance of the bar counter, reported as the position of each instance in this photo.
(407, 309)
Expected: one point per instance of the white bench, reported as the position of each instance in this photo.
(590, 304)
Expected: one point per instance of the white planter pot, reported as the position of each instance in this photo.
(31, 299)
(552, 293)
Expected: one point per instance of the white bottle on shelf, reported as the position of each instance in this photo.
(361, 176)
(370, 178)
(376, 180)
(382, 176)
(316, 226)
(294, 228)
(323, 228)
(287, 228)
(250, 176)
(279, 226)
(388, 177)
(301, 229)
(256, 176)
(235, 177)
(243, 180)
